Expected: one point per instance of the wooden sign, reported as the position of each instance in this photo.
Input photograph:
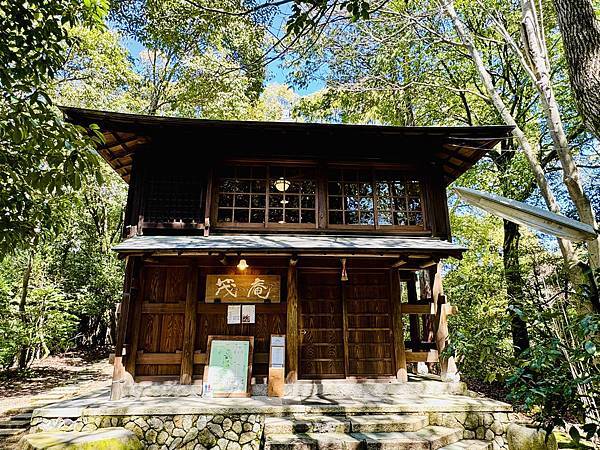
(243, 288)
(229, 367)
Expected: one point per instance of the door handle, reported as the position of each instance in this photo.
(303, 332)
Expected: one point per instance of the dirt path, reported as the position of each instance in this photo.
(87, 373)
(47, 381)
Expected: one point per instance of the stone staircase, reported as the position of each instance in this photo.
(16, 424)
(19, 420)
(364, 432)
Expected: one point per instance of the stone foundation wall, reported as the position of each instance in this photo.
(478, 425)
(190, 432)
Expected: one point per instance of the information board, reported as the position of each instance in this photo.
(229, 367)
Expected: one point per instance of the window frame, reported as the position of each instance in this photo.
(405, 174)
(322, 198)
(265, 225)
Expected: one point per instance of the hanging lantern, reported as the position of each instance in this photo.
(344, 273)
(282, 185)
(242, 265)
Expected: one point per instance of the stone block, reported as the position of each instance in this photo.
(103, 439)
(521, 437)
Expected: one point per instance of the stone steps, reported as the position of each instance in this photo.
(469, 444)
(335, 389)
(375, 423)
(6, 433)
(7, 424)
(428, 438)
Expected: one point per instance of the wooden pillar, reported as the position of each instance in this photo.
(135, 320)
(426, 295)
(292, 323)
(189, 331)
(415, 337)
(440, 324)
(398, 326)
(120, 375)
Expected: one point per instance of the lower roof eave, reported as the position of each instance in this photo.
(413, 248)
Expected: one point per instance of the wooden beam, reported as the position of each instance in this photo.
(292, 322)
(440, 324)
(428, 308)
(411, 286)
(431, 356)
(345, 326)
(189, 331)
(398, 326)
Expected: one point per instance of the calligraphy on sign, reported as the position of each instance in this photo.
(243, 288)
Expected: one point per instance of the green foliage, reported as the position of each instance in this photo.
(480, 339)
(40, 155)
(551, 376)
(68, 298)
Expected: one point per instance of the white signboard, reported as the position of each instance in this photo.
(234, 314)
(248, 314)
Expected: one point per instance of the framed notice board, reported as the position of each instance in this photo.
(229, 367)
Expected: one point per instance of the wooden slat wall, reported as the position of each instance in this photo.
(321, 344)
(270, 319)
(369, 333)
(162, 316)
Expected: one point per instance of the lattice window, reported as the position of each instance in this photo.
(362, 197)
(266, 195)
(174, 198)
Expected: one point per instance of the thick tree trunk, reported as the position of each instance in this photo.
(537, 58)
(514, 285)
(466, 38)
(580, 30)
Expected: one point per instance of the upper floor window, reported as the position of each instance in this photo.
(357, 198)
(266, 195)
(369, 197)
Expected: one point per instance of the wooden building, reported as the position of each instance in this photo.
(348, 224)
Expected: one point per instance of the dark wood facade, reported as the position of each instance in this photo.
(344, 310)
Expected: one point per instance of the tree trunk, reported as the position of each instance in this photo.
(537, 57)
(580, 30)
(23, 353)
(514, 285)
(466, 38)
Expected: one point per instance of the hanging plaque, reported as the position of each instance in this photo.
(242, 289)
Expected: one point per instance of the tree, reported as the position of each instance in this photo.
(580, 29)
(194, 64)
(40, 155)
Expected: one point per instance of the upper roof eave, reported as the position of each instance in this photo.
(457, 148)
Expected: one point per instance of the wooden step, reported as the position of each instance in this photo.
(428, 438)
(385, 423)
(469, 444)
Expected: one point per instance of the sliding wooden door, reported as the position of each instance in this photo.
(321, 325)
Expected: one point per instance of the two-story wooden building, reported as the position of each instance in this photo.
(333, 232)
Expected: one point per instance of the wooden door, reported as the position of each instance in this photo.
(369, 325)
(321, 332)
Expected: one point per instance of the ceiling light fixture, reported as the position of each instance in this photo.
(282, 185)
(242, 265)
